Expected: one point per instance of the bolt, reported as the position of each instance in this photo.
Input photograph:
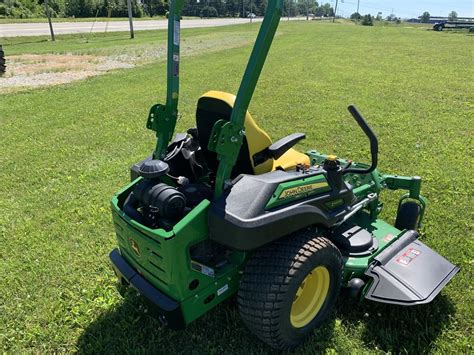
(233, 139)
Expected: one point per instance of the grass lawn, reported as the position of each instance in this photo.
(67, 149)
(120, 42)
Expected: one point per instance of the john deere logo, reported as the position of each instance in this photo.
(303, 190)
(135, 247)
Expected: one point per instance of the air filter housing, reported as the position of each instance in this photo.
(153, 169)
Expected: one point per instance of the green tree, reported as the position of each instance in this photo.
(453, 16)
(57, 7)
(190, 8)
(233, 7)
(260, 7)
(328, 11)
(208, 11)
(82, 8)
(159, 8)
(367, 20)
(306, 7)
(220, 7)
(252, 8)
(356, 16)
(319, 11)
(425, 17)
(290, 8)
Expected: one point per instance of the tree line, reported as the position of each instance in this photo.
(118, 8)
(425, 17)
(368, 19)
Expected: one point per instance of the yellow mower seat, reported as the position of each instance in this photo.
(217, 105)
(290, 159)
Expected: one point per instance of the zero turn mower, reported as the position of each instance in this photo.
(222, 210)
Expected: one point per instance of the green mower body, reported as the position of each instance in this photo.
(221, 210)
(183, 282)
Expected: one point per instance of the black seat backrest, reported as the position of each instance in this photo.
(209, 111)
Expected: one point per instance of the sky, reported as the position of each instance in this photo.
(406, 8)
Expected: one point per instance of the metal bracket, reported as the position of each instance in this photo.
(410, 183)
(163, 121)
(225, 139)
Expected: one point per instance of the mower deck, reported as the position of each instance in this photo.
(408, 273)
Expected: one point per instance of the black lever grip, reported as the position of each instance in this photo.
(374, 143)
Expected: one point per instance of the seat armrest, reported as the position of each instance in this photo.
(277, 149)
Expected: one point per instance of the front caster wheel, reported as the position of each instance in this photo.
(289, 287)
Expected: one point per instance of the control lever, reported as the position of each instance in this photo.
(374, 144)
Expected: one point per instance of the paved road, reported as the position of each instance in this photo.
(41, 29)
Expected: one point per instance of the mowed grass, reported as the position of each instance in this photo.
(120, 42)
(67, 149)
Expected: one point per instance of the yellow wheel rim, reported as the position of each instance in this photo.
(310, 297)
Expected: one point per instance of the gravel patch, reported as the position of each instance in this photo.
(33, 71)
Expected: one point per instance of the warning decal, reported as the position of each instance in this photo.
(408, 256)
(176, 33)
(222, 289)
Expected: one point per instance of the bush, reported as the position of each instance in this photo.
(367, 20)
(22, 9)
(89, 8)
(3, 10)
(155, 8)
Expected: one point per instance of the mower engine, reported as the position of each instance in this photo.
(157, 204)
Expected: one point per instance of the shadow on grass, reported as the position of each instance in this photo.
(8, 44)
(97, 39)
(393, 328)
(129, 328)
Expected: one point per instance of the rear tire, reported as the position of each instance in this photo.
(273, 301)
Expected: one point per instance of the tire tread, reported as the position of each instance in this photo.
(266, 281)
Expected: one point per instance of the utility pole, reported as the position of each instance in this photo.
(289, 9)
(335, 12)
(358, 2)
(109, 14)
(130, 20)
(48, 13)
(251, 10)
